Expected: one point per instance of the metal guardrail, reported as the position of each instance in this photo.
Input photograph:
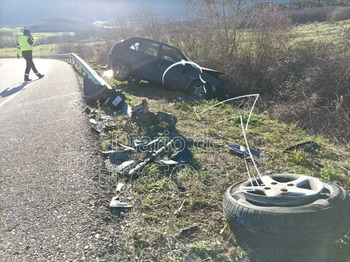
(100, 86)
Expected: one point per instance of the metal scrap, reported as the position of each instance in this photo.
(149, 158)
(124, 165)
(309, 146)
(115, 203)
(242, 151)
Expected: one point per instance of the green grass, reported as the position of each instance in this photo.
(320, 31)
(38, 50)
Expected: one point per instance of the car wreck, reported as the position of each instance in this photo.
(138, 58)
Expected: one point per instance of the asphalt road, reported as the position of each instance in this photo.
(50, 205)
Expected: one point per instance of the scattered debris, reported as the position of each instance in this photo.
(93, 121)
(149, 158)
(87, 111)
(116, 100)
(107, 129)
(124, 165)
(142, 108)
(309, 146)
(182, 156)
(115, 203)
(166, 120)
(179, 209)
(144, 144)
(242, 151)
(119, 187)
(167, 162)
(95, 130)
(120, 155)
(190, 229)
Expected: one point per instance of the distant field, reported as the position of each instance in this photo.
(324, 31)
(320, 31)
(39, 50)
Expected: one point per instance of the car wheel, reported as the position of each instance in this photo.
(287, 217)
(121, 71)
(198, 89)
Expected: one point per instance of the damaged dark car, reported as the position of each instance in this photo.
(138, 58)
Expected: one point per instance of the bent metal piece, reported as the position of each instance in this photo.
(142, 163)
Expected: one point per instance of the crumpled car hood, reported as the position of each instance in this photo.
(212, 72)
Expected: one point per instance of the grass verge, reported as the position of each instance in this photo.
(152, 229)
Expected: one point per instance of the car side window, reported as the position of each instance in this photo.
(135, 46)
(171, 54)
(146, 47)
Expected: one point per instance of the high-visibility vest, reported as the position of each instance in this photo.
(23, 43)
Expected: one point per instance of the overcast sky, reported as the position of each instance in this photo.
(19, 12)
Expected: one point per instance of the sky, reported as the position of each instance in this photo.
(19, 12)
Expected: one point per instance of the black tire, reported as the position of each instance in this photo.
(288, 233)
(121, 71)
(198, 89)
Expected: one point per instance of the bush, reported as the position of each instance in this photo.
(319, 98)
(340, 13)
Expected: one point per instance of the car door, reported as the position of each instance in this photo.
(144, 55)
(176, 76)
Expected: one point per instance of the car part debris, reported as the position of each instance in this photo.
(87, 111)
(93, 121)
(168, 119)
(126, 147)
(190, 229)
(242, 151)
(144, 144)
(115, 101)
(95, 130)
(309, 146)
(168, 162)
(124, 165)
(149, 158)
(143, 107)
(182, 156)
(115, 203)
(120, 155)
(119, 187)
(107, 129)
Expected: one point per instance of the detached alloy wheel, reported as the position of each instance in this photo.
(287, 217)
(121, 71)
(198, 89)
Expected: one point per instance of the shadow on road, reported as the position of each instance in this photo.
(8, 92)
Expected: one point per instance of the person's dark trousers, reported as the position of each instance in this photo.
(27, 55)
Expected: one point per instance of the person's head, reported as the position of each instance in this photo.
(26, 32)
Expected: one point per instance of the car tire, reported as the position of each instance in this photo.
(198, 89)
(299, 232)
(121, 71)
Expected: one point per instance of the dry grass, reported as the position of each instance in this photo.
(151, 230)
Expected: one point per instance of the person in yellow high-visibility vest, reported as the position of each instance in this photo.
(25, 45)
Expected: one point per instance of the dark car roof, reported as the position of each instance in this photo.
(161, 43)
